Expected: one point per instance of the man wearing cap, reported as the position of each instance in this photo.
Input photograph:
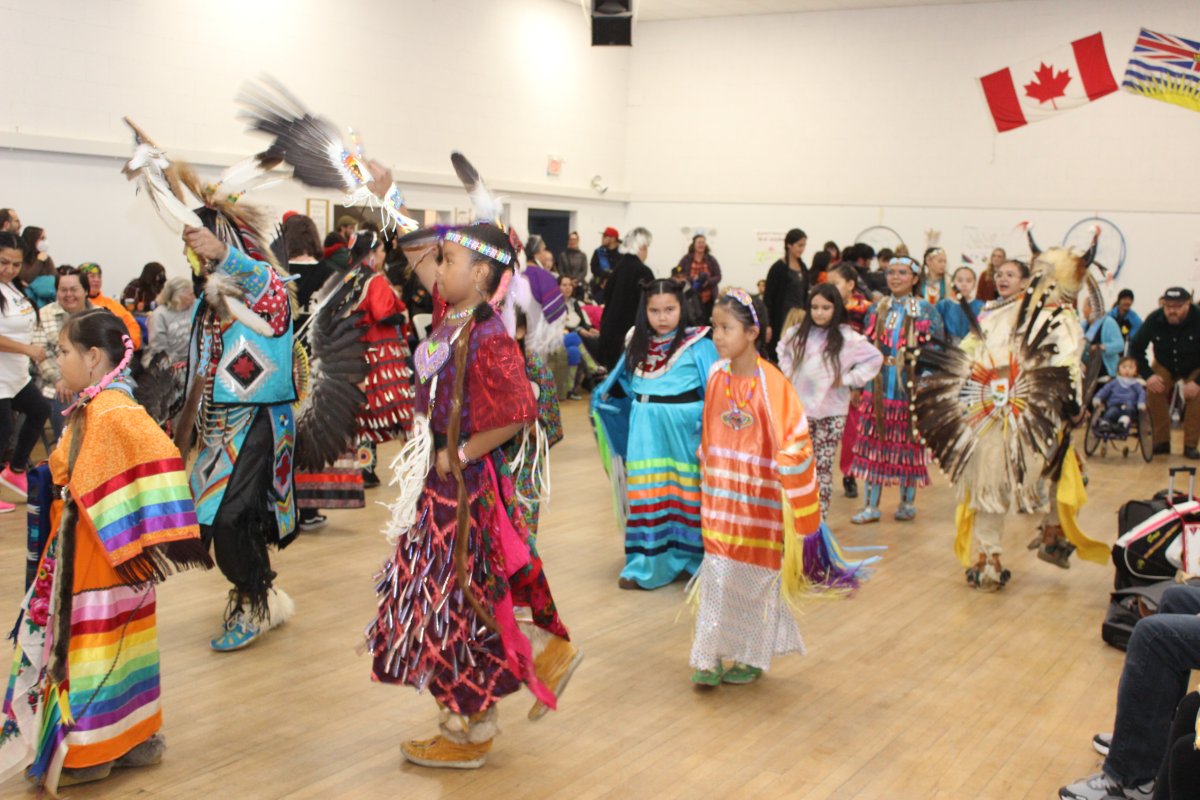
(604, 259)
(1174, 331)
(338, 242)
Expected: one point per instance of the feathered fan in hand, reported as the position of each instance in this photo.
(959, 397)
(313, 148)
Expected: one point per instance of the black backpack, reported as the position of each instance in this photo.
(1143, 572)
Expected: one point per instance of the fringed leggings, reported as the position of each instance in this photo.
(826, 434)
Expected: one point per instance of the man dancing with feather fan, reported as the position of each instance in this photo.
(997, 411)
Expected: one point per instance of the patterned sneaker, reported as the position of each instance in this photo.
(907, 512)
(740, 674)
(866, 516)
(707, 677)
(1101, 787)
(554, 667)
(239, 632)
(440, 752)
(15, 481)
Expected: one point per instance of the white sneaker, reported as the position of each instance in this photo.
(1101, 787)
(1101, 742)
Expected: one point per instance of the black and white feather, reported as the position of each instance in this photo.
(485, 206)
(325, 420)
(311, 145)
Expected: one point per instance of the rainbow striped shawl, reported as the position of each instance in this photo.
(130, 484)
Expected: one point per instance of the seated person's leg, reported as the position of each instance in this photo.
(1162, 652)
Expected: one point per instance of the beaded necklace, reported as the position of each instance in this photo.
(737, 417)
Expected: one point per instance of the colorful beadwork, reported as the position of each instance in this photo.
(483, 248)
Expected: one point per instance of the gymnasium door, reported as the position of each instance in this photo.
(553, 226)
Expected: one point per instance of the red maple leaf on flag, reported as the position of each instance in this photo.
(1047, 85)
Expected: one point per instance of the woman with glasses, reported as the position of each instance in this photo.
(71, 296)
(17, 390)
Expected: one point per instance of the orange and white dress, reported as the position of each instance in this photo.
(764, 544)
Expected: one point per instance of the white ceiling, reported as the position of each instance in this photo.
(650, 10)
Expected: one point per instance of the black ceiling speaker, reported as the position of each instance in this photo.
(612, 23)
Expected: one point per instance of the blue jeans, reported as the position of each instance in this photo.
(1162, 652)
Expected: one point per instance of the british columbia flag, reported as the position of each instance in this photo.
(1165, 67)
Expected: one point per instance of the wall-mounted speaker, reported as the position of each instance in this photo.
(612, 23)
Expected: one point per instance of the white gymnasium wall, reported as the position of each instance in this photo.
(835, 121)
(509, 82)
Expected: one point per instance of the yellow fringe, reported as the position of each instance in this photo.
(1070, 498)
(795, 587)
(964, 522)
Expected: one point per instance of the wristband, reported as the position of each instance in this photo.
(462, 454)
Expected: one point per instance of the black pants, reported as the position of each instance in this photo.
(29, 401)
(245, 523)
(1179, 775)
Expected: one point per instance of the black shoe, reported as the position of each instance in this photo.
(312, 522)
(850, 486)
(370, 479)
(1192, 453)
(1163, 449)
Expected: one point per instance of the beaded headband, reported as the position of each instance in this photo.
(743, 297)
(483, 248)
(910, 263)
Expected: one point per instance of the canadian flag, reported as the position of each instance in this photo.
(1034, 90)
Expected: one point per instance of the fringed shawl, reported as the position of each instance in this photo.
(131, 486)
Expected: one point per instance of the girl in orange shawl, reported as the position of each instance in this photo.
(765, 546)
(83, 695)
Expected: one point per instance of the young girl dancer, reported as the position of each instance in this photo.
(825, 358)
(764, 544)
(845, 277)
(83, 694)
(649, 411)
(388, 412)
(446, 620)
(886, 452)
(951, 311)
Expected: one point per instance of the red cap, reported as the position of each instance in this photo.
(289, 214)
(611, 232)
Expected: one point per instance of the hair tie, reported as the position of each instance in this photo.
(99, 386)
(501, 290)
(743, 297)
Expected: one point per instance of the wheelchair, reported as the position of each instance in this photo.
(1139, 430)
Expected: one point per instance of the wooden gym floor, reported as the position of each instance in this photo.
(917, 687)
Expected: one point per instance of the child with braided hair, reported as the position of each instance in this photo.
(83, 694)
(462, 558)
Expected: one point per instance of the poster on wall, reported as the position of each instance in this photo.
(978, 242)
(768, 247)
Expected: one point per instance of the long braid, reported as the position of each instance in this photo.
(65, 568)
(464, 507)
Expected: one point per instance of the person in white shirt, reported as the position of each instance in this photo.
(18, 392)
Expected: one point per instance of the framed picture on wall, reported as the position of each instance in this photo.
(318, 210)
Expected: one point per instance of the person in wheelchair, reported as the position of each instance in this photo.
(1119, 400)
